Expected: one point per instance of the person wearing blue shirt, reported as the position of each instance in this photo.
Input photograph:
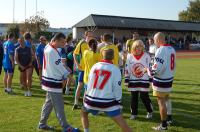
(8, 62)
(1, 55)
(39, 54)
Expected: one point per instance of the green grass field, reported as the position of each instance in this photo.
(21, 114)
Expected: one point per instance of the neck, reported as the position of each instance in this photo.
(54, 45)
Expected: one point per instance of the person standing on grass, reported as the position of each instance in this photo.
(53, 74)
(1, 55)
(39, 54)
(79, 50)
(23, 57)
(104, 92)
(137, 80)
(163, 71)
(8, 63)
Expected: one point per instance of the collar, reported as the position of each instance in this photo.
(138, 56)
(166, 45)
(107, 61)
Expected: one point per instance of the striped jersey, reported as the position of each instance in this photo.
(104, 90)
(135, 77)
(164, 68)
(53, 71)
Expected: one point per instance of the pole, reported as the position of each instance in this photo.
(36, 6)
(13, 11)
(25, 12)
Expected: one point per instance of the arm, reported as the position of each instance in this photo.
(127, 73)
(117, 89)
(11, 54)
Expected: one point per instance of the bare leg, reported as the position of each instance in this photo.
(122, 123)
(5, 80)
(78, 92)
(84, 119)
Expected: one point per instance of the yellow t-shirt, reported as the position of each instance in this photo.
(89, 58)
(129, 44)
(81, 47)
(116, 53)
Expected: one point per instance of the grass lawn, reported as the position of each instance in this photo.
(21, 114)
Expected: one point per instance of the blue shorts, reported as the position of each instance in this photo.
(111, 114)
(8, 70)
(80, 76)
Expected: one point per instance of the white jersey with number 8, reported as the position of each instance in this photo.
(164, 68)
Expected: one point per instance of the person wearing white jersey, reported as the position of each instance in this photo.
(104, 92)
(163, 73)
(53, 74)
(152, 49)
(137, 80)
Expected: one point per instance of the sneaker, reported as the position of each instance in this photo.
(133, 117)
(75, 106)
(46, 127)
(169, 122)
(159, 128)
(149, 115)
(29, 93)
(70, 129)
(5, 90)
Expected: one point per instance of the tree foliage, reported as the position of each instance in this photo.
(14, 28)
(192, 13)
(35, 24)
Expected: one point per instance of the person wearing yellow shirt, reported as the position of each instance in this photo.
(130, 42)
(78, 52)
(107, 38)
(89, 58)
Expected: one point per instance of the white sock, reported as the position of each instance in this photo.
(86, 130)
(169, 107)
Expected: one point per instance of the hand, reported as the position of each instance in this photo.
(145, 70)
(22, 67)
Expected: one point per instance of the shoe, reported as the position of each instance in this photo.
(149, 115)
(75, 106)
(133, 117)
(169, 122)
(46, 127)
(25, 93)
(29, 94)
(159, 128)
(70, 129)
(5, 90)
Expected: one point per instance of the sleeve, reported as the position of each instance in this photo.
(127, 71)
(77, 49)
(38, 51)
(159, 62)
(117, 88)
(116, 60)
(58, 65)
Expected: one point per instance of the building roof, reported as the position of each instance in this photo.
(127, 23)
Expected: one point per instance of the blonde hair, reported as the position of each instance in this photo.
(137, 43)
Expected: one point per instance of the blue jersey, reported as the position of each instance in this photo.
(9, 49)
(40, 52)
(28, 44)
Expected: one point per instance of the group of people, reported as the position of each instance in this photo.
(100, 68)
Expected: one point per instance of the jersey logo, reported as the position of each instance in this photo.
(137, 70)
(159, 60)
(58, 62)
(119, 83)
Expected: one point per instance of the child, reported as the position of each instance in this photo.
(137, 79)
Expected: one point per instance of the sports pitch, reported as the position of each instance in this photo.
(21, 114)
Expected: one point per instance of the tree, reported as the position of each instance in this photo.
(35, 24)
(14, 28)
(192, 13)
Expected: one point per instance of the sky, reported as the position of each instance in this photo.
(66, 13)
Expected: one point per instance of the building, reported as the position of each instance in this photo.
(123, 27)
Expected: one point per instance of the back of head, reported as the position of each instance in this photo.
(107, 38)
(11, 36)
(27, 36)
(159, 38)
(108, 54)
(93, 45)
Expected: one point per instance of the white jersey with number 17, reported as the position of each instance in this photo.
(104, 90)
(164, 68)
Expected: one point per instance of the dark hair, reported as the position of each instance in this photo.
(58, 36)
(93, 45)
(119, 46)
(27, 36)
(11, 35)
(107, 37)
(69, 38)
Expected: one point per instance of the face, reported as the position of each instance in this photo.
(89, 36)
(43, 40)
(60, 43)
(138, 50)
(150, 41)
(21, 42)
